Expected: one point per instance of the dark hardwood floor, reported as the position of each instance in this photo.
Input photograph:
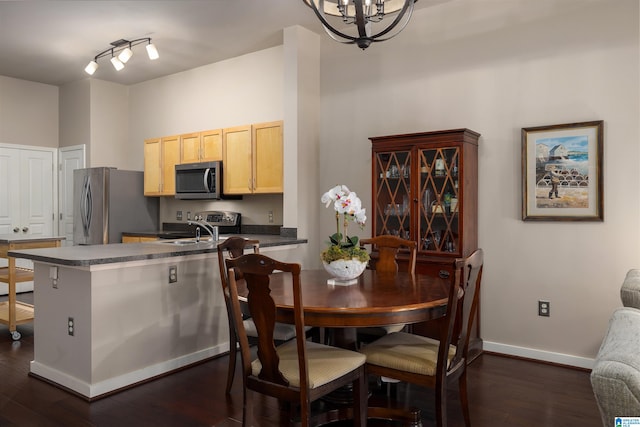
(502, 392)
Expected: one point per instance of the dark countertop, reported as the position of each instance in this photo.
(123, 252)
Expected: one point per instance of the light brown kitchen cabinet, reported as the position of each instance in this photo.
(253, 159)
(160, 158)
(203, 146)
(190, 147)
(211, 145)
(138, 239)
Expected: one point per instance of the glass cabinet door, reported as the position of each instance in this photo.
(392, 201)
(440, 204)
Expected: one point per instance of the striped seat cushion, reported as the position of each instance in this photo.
(325, 363)
(405, 352)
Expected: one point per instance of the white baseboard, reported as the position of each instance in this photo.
(531, 353)
(112, 384)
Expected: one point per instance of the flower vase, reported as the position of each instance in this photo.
(345, 271)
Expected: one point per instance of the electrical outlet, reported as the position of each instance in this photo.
(173, 274)
(544, 308)
(70, 326)
(178, 215)
(188, 216)
(270, 217)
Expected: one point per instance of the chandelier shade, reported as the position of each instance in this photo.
(120, 53)
(363, 19)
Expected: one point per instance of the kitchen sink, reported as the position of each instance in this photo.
(183, 242)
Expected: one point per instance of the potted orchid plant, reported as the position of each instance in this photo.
(345, 249)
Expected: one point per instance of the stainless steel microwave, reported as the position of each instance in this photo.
(199, 180)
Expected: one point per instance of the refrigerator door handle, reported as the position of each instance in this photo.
(86, 205)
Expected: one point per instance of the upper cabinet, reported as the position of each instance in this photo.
(203, 146)
(160, 158)
(253, 159)
(425, 188)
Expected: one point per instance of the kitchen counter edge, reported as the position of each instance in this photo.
(83, 256)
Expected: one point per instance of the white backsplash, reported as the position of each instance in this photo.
(254, 208)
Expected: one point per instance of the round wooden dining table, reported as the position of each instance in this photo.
(376, 299)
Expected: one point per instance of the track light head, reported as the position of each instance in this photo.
(117, 64)
(91, 68)
(152, 52)
(125, 55)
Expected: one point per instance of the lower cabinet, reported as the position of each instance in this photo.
(137, 239)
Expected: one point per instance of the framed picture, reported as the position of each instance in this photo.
(562, 172)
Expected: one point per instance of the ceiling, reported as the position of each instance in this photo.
(52, 41)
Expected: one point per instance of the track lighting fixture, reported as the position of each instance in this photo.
(120, 52)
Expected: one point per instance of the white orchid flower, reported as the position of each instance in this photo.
(331, 195)
(361, 217)
(348, 204)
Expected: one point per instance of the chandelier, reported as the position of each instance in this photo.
(120, 52)
(366, 16)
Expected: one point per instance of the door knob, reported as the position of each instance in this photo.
(15, 230)
(25, 229)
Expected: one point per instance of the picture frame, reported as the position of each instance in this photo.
(562, 172)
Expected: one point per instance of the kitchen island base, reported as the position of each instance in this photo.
(105, 327)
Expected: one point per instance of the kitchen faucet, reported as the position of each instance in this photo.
(212, 230)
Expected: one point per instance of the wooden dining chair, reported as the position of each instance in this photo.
(299, 371)
(387, 247)
(233, 247)
(435, 363)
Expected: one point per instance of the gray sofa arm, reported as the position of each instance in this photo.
(615, 377)
(630, 290)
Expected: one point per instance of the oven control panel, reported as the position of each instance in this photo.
(220, 218)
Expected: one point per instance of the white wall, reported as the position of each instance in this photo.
(483, 66)
(75, 114)
(109, 128)
(242, 90)
(28, 113)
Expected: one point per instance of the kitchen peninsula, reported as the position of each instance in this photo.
(110, 316)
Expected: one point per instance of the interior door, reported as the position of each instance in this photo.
(36, 192)
(70, 159)
(26, 197)
(9, 197)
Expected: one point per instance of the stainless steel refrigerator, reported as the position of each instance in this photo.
(107, 202)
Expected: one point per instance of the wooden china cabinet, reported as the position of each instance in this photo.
(425, 188)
